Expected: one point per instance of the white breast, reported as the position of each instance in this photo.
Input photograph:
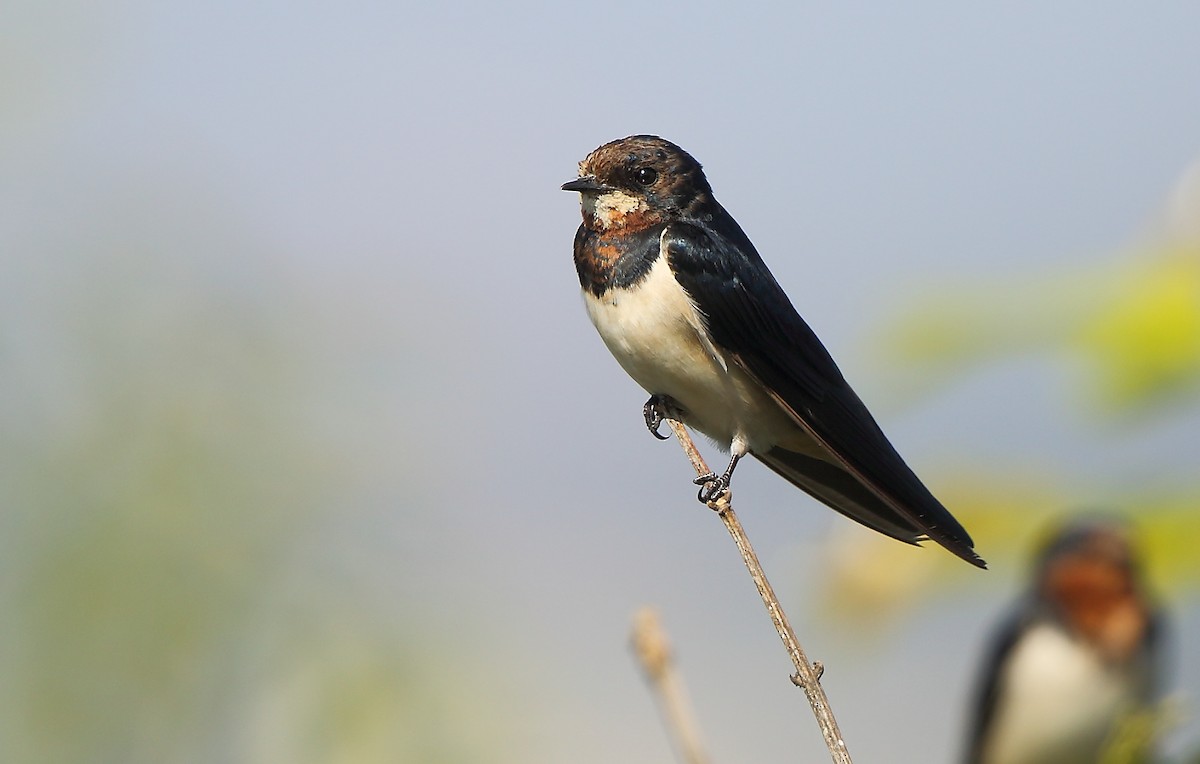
(657, 335)
(1058, 702)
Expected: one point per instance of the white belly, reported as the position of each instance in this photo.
(656, 334)
(1059, 702)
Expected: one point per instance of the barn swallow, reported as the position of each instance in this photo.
(1078, 653)
(691, 312)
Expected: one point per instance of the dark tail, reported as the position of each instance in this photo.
(838, 489)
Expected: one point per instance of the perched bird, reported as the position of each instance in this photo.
(683, 300)
(1078, 653)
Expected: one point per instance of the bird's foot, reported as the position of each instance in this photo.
(659, 409)
(712, 487)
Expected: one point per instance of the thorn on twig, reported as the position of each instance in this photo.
(818, 672)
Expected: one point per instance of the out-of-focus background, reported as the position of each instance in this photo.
(309, 454)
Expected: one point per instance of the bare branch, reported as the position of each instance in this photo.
(653, 652)
(807, 676)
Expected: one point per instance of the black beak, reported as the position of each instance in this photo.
(585, 184)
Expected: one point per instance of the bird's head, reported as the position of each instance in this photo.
(637, 182)
(1089, 576)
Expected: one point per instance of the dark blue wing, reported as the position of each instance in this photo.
(748, 315)
(987, 692)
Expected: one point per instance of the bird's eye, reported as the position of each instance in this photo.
(645, 176)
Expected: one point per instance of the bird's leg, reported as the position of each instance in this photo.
(714, 486)
(659, 409)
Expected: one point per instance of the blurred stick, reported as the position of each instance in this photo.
(653, 652)
(808, 675)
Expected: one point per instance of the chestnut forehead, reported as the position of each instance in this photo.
(614, 156)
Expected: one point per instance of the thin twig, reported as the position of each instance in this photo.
(653, 652)
(807, 676)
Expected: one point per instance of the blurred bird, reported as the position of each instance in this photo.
(688, 308)
(1080, 653)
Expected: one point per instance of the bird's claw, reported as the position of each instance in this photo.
(654, 418)
(712, 487)
(657, 410)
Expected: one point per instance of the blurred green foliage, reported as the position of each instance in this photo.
(1132, 741)
(1135, 325)
(1144, 341)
